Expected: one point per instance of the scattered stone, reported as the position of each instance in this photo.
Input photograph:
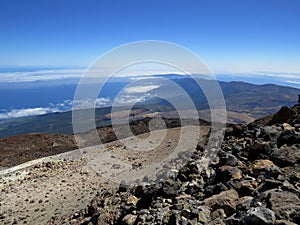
(263, 166)
(116, 166)
(244, 204)
(129, 219)
(226, 200)
(171, 187)
(132, 200)
(171, 217)
(226, 173)
(287, 127)
(259, 215)
(228, 159)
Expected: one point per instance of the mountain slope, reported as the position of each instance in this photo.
(244, 102)
(255, 179)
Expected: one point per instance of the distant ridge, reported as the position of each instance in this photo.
(245, 102)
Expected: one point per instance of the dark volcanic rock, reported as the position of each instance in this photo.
(259, 150)
(227, 173)
(288, 137)
(283, 115)
(170, 187)
(259, 216)
(286, 155)
(228, 159)
(270, 133)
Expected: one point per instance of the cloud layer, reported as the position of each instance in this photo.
(15, 113)
(64, 106)
(41, 75)
(141, 89)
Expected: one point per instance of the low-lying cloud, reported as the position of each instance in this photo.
(16, 113)
(41, 75)
(141, 89)
(64, 106)
(90, 103)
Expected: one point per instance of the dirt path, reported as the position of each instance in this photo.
(34, 192)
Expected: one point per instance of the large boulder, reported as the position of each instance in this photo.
(285, 204)
(286, 156)
(263, 167)
(283, 115)
(226, 200)
(288, 137)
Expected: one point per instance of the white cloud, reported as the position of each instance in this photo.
(142, 77)
(41, 75)
(129, 100)
(141, 89)
(52, 108)
(15, 113)
(285, 75)
(293, 82)
(280, 75)
(90, 103)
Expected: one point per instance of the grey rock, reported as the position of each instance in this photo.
(244, 204)
(260, 216)
(170, 187)
(228, 159)
(286, 156)
(270, 133)
(288, 137)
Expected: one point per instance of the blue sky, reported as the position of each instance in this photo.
(236, 36)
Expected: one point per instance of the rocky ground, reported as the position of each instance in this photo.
(255, 179)
(51, 188)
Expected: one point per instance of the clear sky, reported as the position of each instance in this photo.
(229, 35)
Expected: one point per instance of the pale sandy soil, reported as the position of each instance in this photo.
(34, 192)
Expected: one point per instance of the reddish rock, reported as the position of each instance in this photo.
(226, 200)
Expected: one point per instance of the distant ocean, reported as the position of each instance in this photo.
(29, 99)
(36, 91)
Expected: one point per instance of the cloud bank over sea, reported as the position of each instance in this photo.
(38, 91)
(64, 106)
